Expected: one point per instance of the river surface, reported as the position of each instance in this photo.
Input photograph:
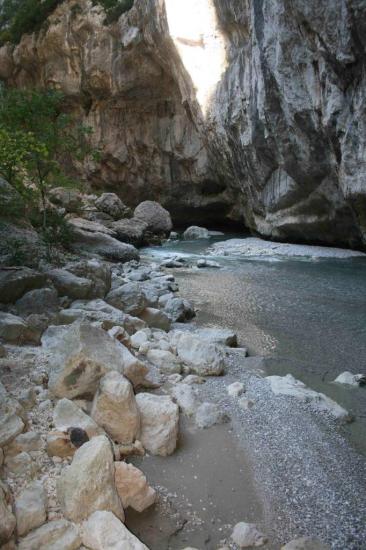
(306, 316)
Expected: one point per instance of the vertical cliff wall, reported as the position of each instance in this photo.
(252, 110)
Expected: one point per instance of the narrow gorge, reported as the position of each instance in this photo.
(182, 274)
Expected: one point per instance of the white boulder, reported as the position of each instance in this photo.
(115, 409)
(103, 531)
(159, 423)
(87, 485)
(203, 358)
(55, 535)
(30, 508)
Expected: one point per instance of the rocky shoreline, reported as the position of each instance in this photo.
(99, 367)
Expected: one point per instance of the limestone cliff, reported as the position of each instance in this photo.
(251, 110)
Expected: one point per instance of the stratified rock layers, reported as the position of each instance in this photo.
(219, 109)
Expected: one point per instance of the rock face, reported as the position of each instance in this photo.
(257, 112)
(88, 484)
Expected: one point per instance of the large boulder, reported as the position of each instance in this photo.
(30, 508)
(132, 487)
(158, 219)
(159, 423)
(90, 226)
(155, 318)
(87, 485)
(55, 535)
(111, 204)
(179, 310)
(7, 518)
(103, 531)
(96, 271)
(203, 358)
(67, 198)
(68, 415)
(103, 245)
(98, 311)
(68, 284)
(129, 297)
(81, 354)
(115, 409)
(130, 231)
(38, 301)
(165, 361)
(194, 232)
(14, 330)
(16, 281)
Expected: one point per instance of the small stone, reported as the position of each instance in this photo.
(306, 543)
(349, 379)
(30, 508)
(78, 437)
(247, 534)
(140, 337)
(59, 444)
(209, 414)
(235, 389)
(246, 403)
(193, 379)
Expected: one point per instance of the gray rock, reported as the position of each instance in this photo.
(111, 204)
(220, 336)
(204, 359)
(130, 298)
(55, 535)
(14, 330)
(246, 535)
(7, 518)
(30, 508)
(306, 543)
(15, 282)
(209, 414)
(158, 219)
(68, 284)
(165, 361)
(130, 231)
(67, 198)
(103, 245)
(179, 310)
(38, 301)
(155, 318)
(88, 484)
(96, 271)
(194, 232)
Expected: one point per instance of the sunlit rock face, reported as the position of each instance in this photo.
(252, 110)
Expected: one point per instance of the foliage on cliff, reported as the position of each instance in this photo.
(37, 140)
(18, 17)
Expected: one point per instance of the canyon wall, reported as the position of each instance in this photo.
(245, 110)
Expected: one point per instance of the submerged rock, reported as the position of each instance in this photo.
(288, 385)
(350, 379)
(195, 232)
